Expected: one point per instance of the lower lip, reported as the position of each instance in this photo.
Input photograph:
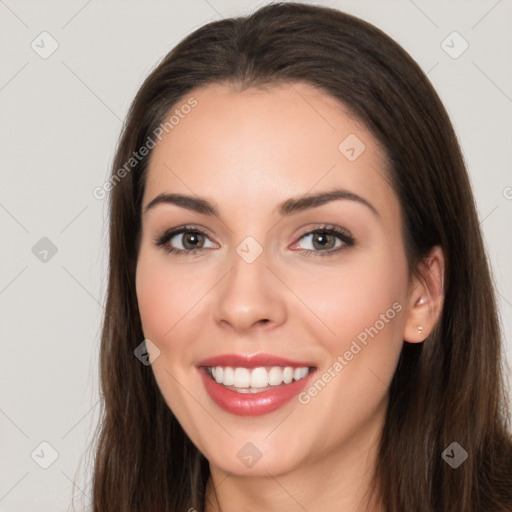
(252, 404)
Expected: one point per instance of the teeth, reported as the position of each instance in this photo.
(275, 376)
(229, 377)
(242, 377)
(257, 378)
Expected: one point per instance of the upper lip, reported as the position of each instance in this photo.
(252, 361)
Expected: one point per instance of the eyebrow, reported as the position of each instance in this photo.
(286, 208)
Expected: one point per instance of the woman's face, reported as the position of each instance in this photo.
(299, 304)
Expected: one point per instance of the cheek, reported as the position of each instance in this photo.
(356, 299)
(153, 296)
(162, 296)
(172, 303)
(166, 297)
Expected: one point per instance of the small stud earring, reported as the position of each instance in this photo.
(420, 329)
(421, 300)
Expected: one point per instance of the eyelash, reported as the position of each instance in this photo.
(343, 235)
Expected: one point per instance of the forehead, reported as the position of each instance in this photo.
(258, 146)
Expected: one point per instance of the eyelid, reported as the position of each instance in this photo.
(341, 233)
(347, 239)
(163, 239)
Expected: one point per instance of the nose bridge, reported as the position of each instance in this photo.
(249, 294)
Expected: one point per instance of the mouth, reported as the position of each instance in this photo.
(252, 386)
(256, 380)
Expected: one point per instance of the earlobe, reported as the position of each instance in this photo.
(426, 298)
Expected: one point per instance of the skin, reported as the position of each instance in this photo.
(246, 152)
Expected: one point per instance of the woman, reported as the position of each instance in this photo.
(265, 377)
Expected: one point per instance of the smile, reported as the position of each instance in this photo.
(253, 386)
(256, 380)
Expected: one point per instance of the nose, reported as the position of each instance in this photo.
(250, 297)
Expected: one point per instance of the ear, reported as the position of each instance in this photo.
(426, 297)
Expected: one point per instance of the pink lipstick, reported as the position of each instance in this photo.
(253, 385)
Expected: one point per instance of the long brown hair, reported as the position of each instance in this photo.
(450, 388)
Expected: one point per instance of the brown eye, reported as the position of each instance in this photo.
(183, 240)
(191, 240)
(325, 241)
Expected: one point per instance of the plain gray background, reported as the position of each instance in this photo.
(60, 120)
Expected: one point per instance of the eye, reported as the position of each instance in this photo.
(190, 238)
(323, 241)
(326, 240)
